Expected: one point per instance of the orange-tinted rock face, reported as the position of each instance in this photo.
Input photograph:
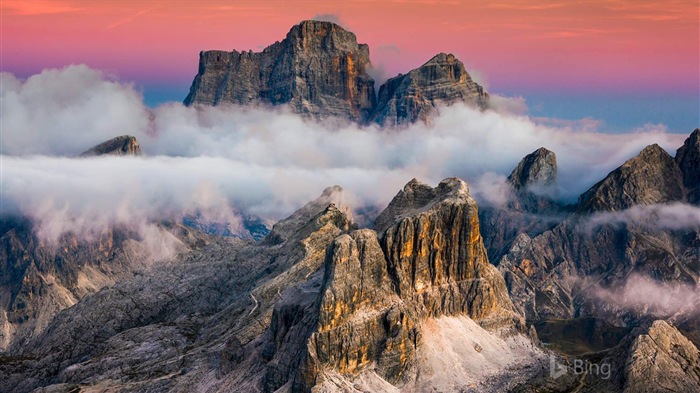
(376, 289)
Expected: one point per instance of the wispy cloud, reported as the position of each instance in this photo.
(39, 7)
(132, 17)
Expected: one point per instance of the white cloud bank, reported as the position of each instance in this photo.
(263, 161)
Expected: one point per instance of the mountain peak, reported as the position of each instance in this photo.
(329, 206)
(538, 168)
(651, 177)
(415, 96)
(125, 145)
(417, 196)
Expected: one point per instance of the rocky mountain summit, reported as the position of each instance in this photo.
(528, 209)
(320, 71)
(651, 177)
(415, 95)
(537, 169)
(125, 145)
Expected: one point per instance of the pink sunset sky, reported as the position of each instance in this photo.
(613, 47)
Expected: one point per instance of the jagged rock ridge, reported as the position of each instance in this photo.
(553, 274)
(651, 177)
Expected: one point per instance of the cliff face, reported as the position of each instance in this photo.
(125, 145)
(377, 289)
(415, 95)
(319, 70)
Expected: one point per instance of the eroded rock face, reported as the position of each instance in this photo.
(125, 145)
(688, 159)
(415, 95)
(318, 70)
(437, 258)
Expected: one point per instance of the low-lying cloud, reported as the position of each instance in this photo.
(649, 296)
(226, 161)
(656, 217)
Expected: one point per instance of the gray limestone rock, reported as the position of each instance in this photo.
(414, 96)
(651, 177)
(528, 209)
(318, 70)
(538, 168)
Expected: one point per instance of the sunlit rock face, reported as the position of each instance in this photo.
(377, 289)
(318, 70)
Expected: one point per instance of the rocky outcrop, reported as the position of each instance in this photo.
(653, 357)
(528, 208)
(436, 255)
(316, 305)
(218, 298)
(125, 145)
(688, 159)
(415, 95)
(39, 278)
(651, 177)
(662, 359)
(318, 70)
(537, 169)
